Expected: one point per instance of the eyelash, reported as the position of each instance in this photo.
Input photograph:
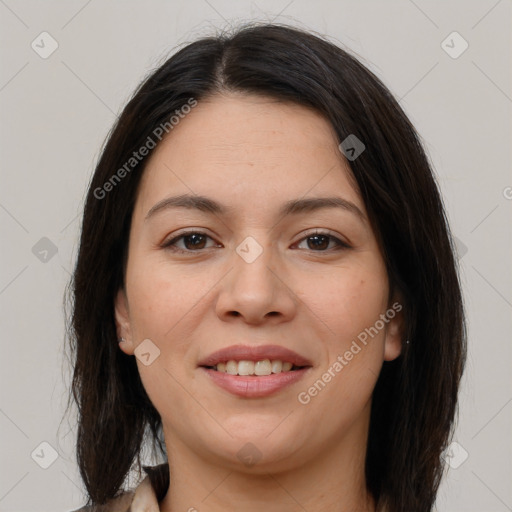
(171, 243)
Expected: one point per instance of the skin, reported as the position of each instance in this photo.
(252, 154)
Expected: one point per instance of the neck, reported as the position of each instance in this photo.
(331, 480)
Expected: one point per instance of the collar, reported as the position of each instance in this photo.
(151, 490)
(144, 498)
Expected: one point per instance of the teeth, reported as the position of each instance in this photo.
(232, 367)
(264, 367)
(245, 368)
(277, 366)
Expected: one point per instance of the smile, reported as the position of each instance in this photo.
(252, 371)
(258, 368)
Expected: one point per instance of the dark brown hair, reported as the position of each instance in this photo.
(414, 401)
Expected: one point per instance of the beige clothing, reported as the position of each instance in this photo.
(145, 498)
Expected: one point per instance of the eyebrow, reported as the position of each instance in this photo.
(292, 207)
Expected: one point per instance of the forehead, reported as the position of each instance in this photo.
(245, 149)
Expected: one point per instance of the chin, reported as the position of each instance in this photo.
(257, 450)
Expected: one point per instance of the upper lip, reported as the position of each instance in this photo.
(254, 353)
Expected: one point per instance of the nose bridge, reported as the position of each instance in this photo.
(252, 274)
(252, 289)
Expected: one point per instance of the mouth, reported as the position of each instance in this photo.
(254, 368)
(254, 371)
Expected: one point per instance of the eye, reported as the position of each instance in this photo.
(193, 241)
(322, 241)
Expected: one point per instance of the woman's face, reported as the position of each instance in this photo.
(268, 261)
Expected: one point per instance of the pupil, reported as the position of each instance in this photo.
(318, 239)
(196, 241)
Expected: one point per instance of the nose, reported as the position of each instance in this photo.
(256, 291)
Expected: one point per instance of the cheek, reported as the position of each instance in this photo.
(162, 297)
(348, 301)
(165, 306)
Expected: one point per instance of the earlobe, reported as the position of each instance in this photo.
(123, 327)
(394, 335)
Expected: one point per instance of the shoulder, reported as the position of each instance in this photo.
(145, 498)
(121, 503)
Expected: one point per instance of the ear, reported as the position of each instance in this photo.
(123, 326)
(394, 332)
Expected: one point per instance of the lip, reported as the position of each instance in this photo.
(255, 386)
(254, 353)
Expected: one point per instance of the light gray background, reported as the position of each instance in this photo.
(55, 113)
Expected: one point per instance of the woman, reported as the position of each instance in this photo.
(265, 290)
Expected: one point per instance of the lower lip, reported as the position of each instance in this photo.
(252, 386)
